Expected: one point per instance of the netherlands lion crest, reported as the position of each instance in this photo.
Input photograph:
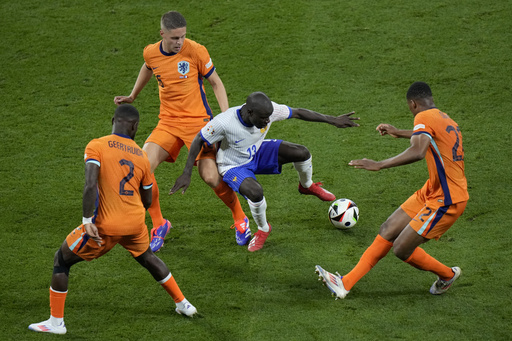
(183, 67)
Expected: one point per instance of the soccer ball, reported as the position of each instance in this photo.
(343, 213)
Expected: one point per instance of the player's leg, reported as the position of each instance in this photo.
(63, 260)
(406, 247)
(430, 222)
(302, 161)
(160, 272)
(157, 155)
(291, 152)
(252, 190)
(340, 286)
(381, 245)
(208, 171)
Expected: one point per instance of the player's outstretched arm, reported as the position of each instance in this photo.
(143, 78)
(341, 121)
(183, 181)
(388, 129)
(416, 152)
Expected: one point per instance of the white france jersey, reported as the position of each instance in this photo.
(239, 141)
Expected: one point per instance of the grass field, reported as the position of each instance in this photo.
(62, 64)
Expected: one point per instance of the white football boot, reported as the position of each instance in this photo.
(48, 327)
(332, 281)
(440, 286)
(185, 308)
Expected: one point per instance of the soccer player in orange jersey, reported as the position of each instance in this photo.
(116, 194)
(180, 65)
(429, 212)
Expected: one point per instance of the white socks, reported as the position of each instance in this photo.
(183, 304)
(305, 170)
(259, 214)
(56, 321)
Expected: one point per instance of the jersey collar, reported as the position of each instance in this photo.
(241, 120)
(122, 135)
(165, 53)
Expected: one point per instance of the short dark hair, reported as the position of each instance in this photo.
(126, 112)
(172, 20)
(419, 90)
(259, 101)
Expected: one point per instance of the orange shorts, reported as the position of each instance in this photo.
(172, 138)
(431, 219)
(80, 243)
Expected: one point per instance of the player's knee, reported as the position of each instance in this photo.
(304, 153)
(211, 179)
(291, 152)
(254, 195)
(252, 190)
(383, 229)
(153, 264)
(401, 250)
(299, 153)
(59, 264)
(144, 259)
(386, 231)
(208, 172)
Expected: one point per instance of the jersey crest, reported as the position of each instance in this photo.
(183, 67)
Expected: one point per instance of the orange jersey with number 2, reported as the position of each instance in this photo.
(445, 157)
(124, 168)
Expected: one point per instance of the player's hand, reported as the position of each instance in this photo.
(367, 164)
(182, 182)
(388, 129)
(92, 232)
(345, 120)
(118, 100)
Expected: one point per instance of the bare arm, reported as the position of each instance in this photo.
(388, 129)
(416, 152)
(219, 90)
(341, 121)
(89, 199)
(143, 78)
(146, 196)
(183, 181)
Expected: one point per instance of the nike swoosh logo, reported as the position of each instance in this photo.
(239, 140)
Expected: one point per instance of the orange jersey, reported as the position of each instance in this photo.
(124, 167)
(445, 157)
(180, 82)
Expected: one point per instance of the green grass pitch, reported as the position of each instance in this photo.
(62, 63)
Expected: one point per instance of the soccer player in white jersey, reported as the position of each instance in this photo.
(244, 152)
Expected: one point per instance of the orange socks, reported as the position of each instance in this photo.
(379, 248)
(154, 210)
(423, 261)
(375, 252)
(57, 302)
(230, 199)
(172, 288)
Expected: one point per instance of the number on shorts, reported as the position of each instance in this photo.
(428, 213)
